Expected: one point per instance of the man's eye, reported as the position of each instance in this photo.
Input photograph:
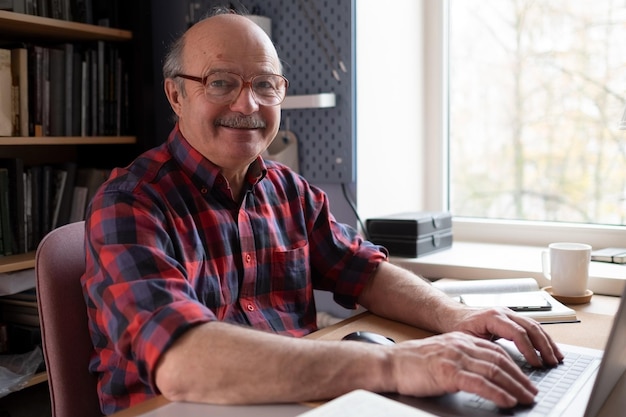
(264, 85)
(220, 84)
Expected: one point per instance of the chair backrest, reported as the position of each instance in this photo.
(59, 264)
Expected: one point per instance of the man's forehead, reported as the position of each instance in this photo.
(239, 44)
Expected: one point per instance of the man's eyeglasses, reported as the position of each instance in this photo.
(223, 87)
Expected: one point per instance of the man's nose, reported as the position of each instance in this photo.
(245, 102)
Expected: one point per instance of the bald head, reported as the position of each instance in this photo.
(220, 35)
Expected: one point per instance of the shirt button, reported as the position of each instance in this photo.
(204, 190)
(250, 307)
(248, 258)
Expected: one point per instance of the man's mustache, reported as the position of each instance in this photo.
(241, 122)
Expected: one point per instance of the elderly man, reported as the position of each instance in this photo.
(202, 259)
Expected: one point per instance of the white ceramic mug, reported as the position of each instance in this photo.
(567, 268)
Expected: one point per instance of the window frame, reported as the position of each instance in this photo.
(435, 160)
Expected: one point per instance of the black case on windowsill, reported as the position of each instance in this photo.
(412, 234)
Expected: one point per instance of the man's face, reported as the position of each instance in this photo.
(233, 134)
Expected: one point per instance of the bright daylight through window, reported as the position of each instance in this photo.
(536, 93)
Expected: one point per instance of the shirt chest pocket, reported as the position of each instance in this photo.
(290, 278)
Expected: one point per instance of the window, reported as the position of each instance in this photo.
(440, 92)
(536, 91)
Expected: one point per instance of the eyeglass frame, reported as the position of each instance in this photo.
(244, 84)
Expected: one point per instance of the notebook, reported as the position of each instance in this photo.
(582, 394)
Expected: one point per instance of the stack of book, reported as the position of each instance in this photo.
(519, 294)
(20, 315)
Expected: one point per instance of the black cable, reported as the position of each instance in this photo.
(354, 210)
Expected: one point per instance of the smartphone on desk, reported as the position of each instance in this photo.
(516, 301)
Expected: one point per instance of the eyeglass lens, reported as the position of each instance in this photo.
(268, 89)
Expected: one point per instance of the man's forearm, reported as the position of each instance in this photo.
(400, 295)
(226, 364)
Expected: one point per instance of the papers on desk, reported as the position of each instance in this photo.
(361, 403)
(558, 313)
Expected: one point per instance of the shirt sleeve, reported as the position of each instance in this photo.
(342, 261)
(139, 300)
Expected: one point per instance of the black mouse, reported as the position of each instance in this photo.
(369, 337)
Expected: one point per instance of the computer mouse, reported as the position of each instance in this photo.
(369, 337)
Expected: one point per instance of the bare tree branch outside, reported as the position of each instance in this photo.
(537, 89)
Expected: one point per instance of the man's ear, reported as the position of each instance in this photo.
(173, 95)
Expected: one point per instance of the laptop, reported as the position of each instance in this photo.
(577, 388)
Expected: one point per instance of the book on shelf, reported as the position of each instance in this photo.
(45, 202)
(5, 221)
(65, 206)
(59, 184)
(45, 93)
(6, 98)
(36, 81)
(58, 88)
(526, 287)
(74, 98)
(15, 168)
(79, 203)
(85, 91)
(34, 185)
(19, 72)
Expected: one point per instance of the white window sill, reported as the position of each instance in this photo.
(469, 260)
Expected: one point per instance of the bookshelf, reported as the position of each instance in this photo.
(25, 28)
(18, 28)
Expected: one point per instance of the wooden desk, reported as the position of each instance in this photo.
(596, 319)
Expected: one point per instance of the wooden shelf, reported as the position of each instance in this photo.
(17, 262)
(67, 140)
(38, 378)
(23, 26)
(309, 101)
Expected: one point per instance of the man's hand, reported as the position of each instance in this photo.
(457, 361)
(527, 334)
